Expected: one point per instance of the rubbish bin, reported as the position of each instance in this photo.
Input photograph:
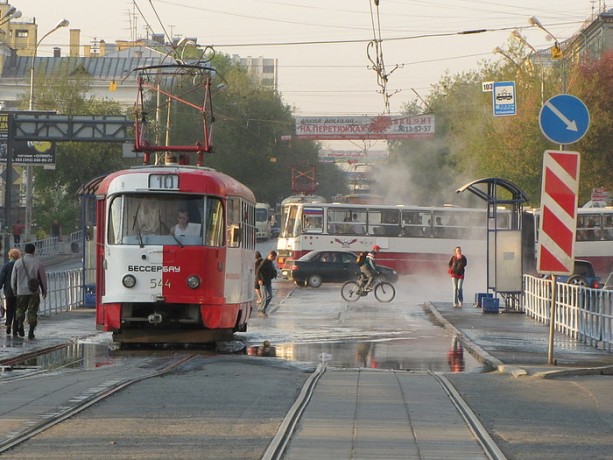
(90, 296)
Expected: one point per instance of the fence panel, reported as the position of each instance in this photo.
(582, 313)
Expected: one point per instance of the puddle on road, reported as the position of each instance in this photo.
(78, 355)
(389, 354)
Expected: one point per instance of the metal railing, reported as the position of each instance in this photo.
(65, 289)
(583, 313)
(49, 248)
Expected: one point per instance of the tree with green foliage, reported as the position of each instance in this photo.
(55, 191)
(470, 143)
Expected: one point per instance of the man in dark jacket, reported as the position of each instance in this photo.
(9, 295)
(25, 271)
(265, 273)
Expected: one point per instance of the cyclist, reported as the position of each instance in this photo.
(369, 268)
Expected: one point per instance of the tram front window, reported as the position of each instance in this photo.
(158, 219)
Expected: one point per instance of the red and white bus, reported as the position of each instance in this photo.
(593, 238)
(157, 284)
(412, 238)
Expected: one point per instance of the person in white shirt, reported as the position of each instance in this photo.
(184, 227)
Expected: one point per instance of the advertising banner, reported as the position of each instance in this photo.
(381, 127)
(25, 152)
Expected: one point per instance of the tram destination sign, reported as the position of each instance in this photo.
(363, 128)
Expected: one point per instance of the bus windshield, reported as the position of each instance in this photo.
(181, 220)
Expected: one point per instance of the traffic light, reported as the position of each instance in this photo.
(556, 51)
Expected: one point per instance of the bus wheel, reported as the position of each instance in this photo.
(314, 281)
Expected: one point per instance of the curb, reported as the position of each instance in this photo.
(475, 350)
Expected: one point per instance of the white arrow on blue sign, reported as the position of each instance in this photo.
(564, 119)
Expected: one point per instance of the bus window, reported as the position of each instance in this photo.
(356, 222)
(415, 223)
(383, 222)
(607, 229)
(312, 220)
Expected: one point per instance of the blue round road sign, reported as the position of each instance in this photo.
(564, 119)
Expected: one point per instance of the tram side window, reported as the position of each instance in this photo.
(214, 222)
(248, 225)
(234, 223)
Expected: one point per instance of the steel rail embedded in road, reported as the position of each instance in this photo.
(277, 446)
(82, 402)
(483, 437)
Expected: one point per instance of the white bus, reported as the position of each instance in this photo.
(263, 223)
(412, 238)
(593, 238)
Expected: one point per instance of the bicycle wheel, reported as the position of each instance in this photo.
(385, 292)
(350, 291)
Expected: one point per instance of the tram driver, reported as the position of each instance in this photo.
(184, 227)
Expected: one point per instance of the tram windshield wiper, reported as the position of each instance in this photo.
(172, 234)
(136, 224)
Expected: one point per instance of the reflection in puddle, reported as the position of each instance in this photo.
(77, 355)
(390, 354)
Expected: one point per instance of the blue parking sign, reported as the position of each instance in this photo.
(503, 98)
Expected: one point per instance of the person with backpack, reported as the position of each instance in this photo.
(264, 274)
(368, 267)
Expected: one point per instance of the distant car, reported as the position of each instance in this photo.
(323, 266)
(275, 230)
(583, 275)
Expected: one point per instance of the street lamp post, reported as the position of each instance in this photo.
(556, 51)
(519, 37)
(12, 13)
(29, 167)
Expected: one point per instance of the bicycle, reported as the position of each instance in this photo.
(384, 291)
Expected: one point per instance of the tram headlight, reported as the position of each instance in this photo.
(193, 281)
(129, 281)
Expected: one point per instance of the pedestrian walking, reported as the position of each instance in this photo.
(9, 295)
(258, 292)
(18, 228)
(265, 273)
(28, 281)
(457, 264)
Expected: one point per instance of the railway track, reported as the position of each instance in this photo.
(27, 424)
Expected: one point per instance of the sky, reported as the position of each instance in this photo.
(322, 46)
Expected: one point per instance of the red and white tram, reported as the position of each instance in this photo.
(155, 285)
